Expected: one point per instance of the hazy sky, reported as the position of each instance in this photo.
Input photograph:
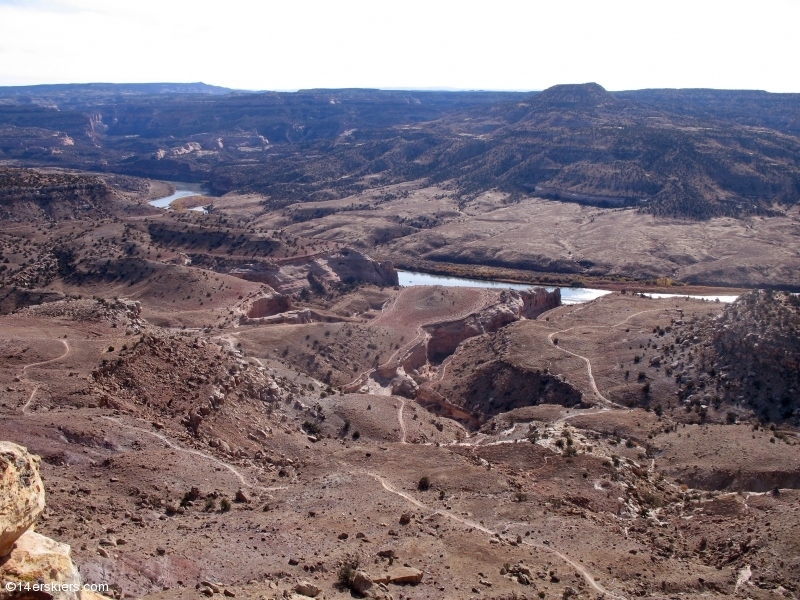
(493, 44)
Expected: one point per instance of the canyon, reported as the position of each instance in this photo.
(247, 401)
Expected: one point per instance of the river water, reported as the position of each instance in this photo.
(569, 295)
(182, 190)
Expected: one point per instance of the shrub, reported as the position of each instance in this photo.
(225, 505)
(424, 484)
(211, 504)
(312, 428)
(347, 572)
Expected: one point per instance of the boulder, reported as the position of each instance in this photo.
(403, 385)
(22, 498)
(405, 575)
(306, 588)
(362, 583)
(39, 558)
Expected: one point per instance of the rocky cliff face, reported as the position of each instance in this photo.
(291, 275)
(266, 305)
(341, 267)
(499, 386)
(513, 306)
(27, 558)
(440, 339)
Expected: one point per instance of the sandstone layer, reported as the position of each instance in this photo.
(22, 498)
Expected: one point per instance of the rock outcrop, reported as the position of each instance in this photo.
(346, 266)
(40, 566)
(297, 317)
(404, 385)
(291, 275)
(442, 338)
(22, 498)
(265, 304)
(513, 306)
(37, 558)
(747, 356)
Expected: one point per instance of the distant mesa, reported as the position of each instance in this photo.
(119, 88)
(574, 95)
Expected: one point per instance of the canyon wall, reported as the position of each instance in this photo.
(514, 305)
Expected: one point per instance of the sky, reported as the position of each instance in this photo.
(408, 44)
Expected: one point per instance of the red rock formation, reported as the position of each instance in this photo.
(514, 305)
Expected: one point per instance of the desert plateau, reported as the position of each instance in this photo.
(220, 375)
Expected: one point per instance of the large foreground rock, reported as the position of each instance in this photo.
(21, 493)
(37, 558)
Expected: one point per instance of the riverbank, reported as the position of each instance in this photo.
(180, 191)
(569, 295)
(530, 278)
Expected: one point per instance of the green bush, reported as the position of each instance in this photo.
(347, 572)
(312, 428)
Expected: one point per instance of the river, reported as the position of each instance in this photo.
(569, 295)
(182, 190)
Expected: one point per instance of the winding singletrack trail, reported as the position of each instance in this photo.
(208, 457)
(592, 381)
(588, 577)
(37, 386)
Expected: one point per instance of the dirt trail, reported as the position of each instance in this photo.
(580, 414)
(208, 457)
(588, 577)
(36, 386)
(402, 422)
(586, 360)
(45, 362)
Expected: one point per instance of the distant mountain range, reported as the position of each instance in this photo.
(60, 89)
(685, 153)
